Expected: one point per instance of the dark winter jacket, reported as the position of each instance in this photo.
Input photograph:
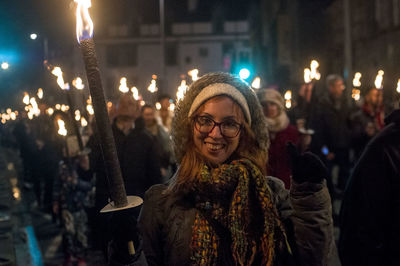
(333, 127)
(140, 163)
(278, 158)
(370, 214)
(166, 223)
(359, 122)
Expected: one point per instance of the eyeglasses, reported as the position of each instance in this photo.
(228, 128)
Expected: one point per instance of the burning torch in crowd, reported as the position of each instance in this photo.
(355, 93)
(84, 31)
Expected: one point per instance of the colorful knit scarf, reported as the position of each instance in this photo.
(233, 196)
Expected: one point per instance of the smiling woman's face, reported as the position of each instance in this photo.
(214, 146)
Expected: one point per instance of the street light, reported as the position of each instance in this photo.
(244, 73)
(4, 65)
(33, 36)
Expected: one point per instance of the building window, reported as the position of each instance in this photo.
(171, 54)
(203, 52)
(121, 55)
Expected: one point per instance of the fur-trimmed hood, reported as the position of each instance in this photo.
(181, 123)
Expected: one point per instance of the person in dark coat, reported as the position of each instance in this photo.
(333, 133)
(366, 122)
(27, 147)
(220, 208)
(163, 141)
(370, 213)
(281, 132)
(140, 164)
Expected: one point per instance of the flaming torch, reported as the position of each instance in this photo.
(84, 31)
(379, 80)
(307, 75)
(122, 85)
(288, 99)
(194, 73)
(26, 98)
(256, 84)
(355, 93)
(135, 93)
(398, 86)
(314, 70)
(153, 84)
(181, 91)
(40, 93)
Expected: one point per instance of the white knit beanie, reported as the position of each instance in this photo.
(218, 89)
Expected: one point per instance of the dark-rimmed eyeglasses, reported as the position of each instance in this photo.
(228, 128)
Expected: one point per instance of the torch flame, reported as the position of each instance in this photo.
(288, 95)
(153, 85)
(77, 115)
(123, 87)
(84, 24)
(35, 109)
(61, 127)
(50, 111)
(398, 86)
(307, 75)
(135, 93)
(84, 123)
(26, 98)
(256, 84)
(60, 80)
(90, 109)
(78, 84)
(314, 74)
(40, 93)
(356, 80)
(181, 91)
(288, 99)
(355, 94)
(194, 74)
(379, 79)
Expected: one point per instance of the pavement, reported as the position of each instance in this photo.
(28, 236)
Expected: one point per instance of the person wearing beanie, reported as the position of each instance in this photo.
(220, 208)
(281, 132)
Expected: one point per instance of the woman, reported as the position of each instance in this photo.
(280, 132)
(219, 208)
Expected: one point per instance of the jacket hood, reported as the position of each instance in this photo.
(181, 125)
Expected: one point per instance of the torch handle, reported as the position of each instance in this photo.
(113, 170)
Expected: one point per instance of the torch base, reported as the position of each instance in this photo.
(133, 201)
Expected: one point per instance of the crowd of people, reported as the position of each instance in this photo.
(214, 204)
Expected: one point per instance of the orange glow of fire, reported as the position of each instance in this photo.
(122, 85)
(40, 93)
(60, 80)
(181, 90)
(194, 74)
(78, 84)
(26, 98)
(256, 84)
(379, 80)
(356, 80)
(61, 128)
(153, 85)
